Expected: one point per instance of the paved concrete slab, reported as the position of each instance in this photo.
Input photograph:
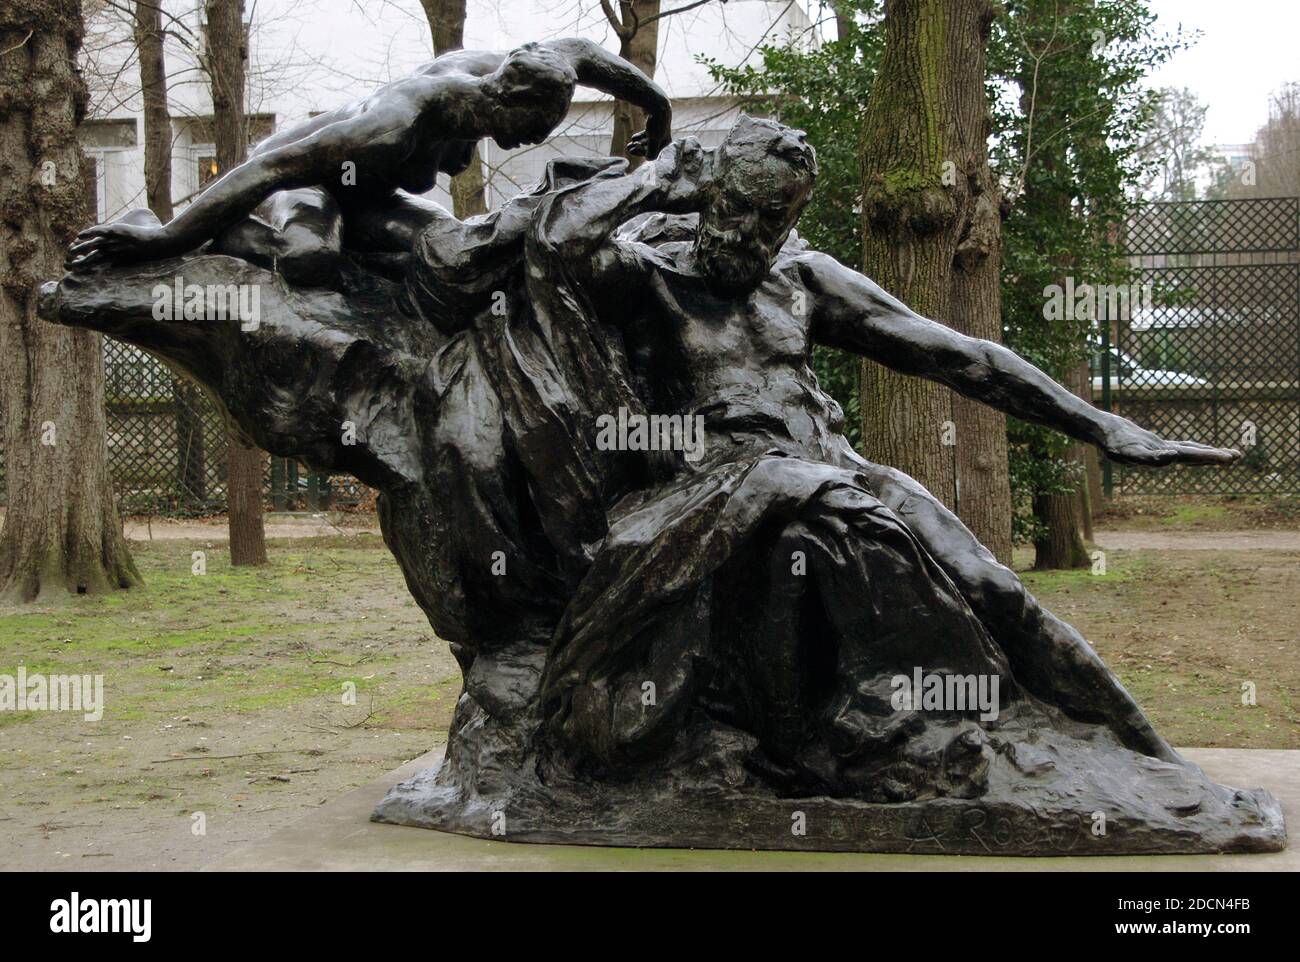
(340, 837)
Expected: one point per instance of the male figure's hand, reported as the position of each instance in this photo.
(684, 172)
(1126, 443)
(656, 136)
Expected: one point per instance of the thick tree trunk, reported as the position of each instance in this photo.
(638, 44)
(983, 475)
(227, 51)
(447, 24)
(61, 531)
(932, 236)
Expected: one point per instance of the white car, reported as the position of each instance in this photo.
(1127, 373)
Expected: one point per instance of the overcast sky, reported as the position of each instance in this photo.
(1247, 49)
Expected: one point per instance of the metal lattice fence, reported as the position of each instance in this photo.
(1209, 348)
(167, 447)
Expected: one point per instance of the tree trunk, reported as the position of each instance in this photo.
(1085, 454)
(1052, 197)
(148, 30)
(843, 19)
(191, 445)
(1059, 546)
(227, 51)
(157, 118)
(932, 236)
(61, 530)
(1096, 503)
(244, 494)
(638, 44)
(1060, 515)
(468, 194)
(1084, 505)
(983, 465)
(447, 24)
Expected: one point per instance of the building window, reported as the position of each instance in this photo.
(208, 171)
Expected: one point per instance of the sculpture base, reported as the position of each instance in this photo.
(1144, 807)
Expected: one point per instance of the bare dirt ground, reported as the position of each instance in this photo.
(224, 691)
(1186, 629)
(224, 701)
(1201, 596)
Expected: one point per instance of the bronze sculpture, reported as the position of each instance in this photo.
(761, 642)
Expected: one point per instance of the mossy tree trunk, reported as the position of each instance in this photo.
(61, 531)
(932, 236)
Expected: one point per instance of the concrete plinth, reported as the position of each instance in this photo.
(340, 837)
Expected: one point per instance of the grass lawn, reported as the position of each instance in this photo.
(1201, 512)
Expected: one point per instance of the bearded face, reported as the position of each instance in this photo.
(731, 263)
(743, 228)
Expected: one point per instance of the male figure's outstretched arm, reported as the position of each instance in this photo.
(851, 312)
(1048, 656)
